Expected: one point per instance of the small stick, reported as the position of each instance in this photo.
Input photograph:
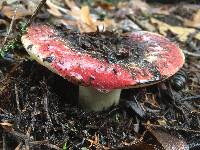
(190, 98)
(4, 141)
(172, 128)
(191, 53)
(137, 22)
(19, 146)
(11, 27)
(46, 143)
(40, 5)
(17, 99)
(27, 147)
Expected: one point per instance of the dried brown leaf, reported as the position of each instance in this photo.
(86, 18)
(72, 5)
(169, 141)
(18, 12)
(54, 9)
(181, 32)
(105, 5)
(195, 22)
(140, 146)
(135, 7)
(56, 6)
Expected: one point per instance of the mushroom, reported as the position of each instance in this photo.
(103, 63)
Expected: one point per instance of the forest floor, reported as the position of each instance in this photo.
(38, 109)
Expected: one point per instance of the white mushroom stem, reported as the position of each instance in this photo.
(93, 100)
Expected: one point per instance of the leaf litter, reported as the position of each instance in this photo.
(37, 112)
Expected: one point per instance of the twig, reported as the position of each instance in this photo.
(19, 146)
(136, 21)
(27, 141)
(171, 128)
(17, 134)
(4, 141)
(11, 27)
(35, 143)
(190, 98)
(190, 42)
(46, 143)
(17, 99)
(191, 53)
(40, 5)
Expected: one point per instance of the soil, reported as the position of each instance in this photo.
(39, 110)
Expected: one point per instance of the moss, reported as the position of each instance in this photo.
(14, 43)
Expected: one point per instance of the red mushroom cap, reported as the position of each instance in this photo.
(104, 60)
